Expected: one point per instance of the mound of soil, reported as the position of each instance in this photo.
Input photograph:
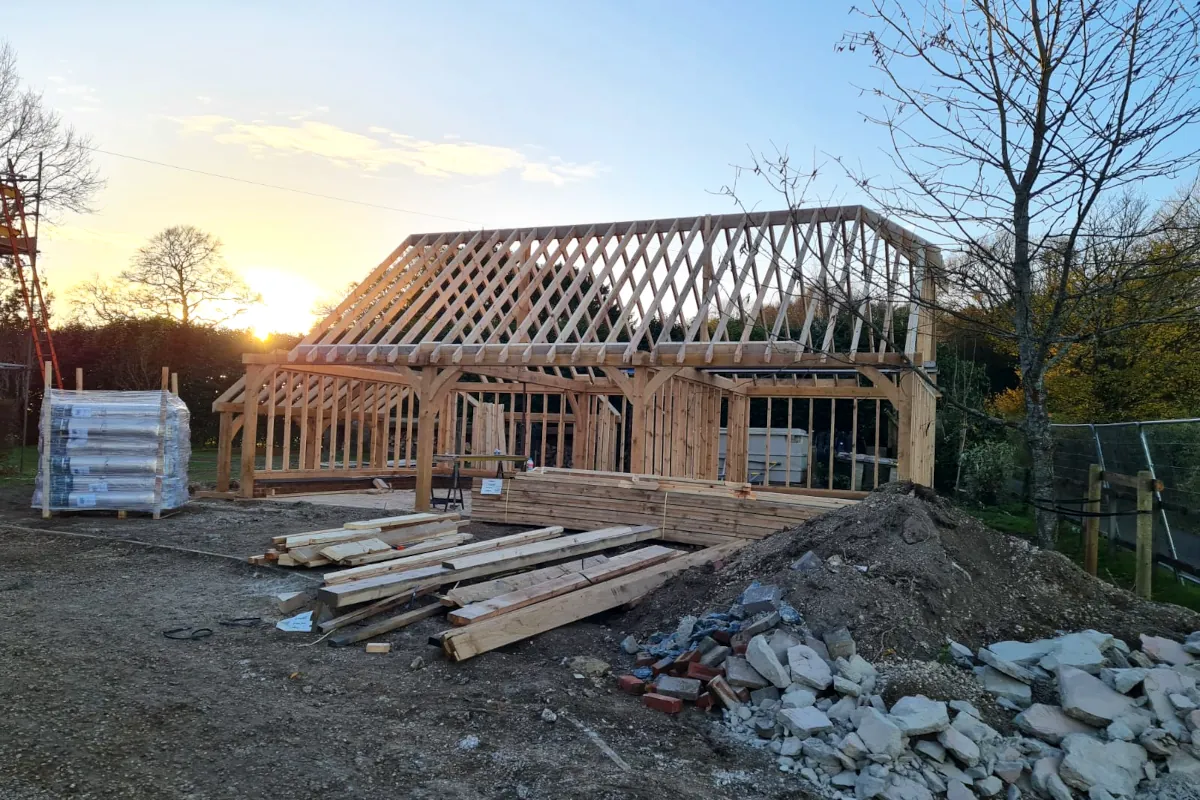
(915, 570)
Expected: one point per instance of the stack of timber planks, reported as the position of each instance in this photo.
(494, 591)
(366, 541)
(690, 511)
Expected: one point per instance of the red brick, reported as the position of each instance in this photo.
(739, 649)
(644, 660)
(743, 694)
(701, 672)
(721, 636)
(661, 666)
(660, 702)
(688, 657)
(705, 701)
(724, 692)
(631, 685)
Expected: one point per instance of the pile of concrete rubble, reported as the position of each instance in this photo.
(1090, 715)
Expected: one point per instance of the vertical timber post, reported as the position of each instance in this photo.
(1091, 523)
(254, 378)
(637, 434)
(737, 438)
(1145, 533)
(224, 451)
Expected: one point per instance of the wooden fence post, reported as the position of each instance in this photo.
(1145, 533)
(1091, 524)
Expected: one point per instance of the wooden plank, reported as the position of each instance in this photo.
(486, 590)
(616, 535)
(464, 643)
(328, 537)
(387, 523)
(359, 547)
(411, 562)
(518, 599)
(365, 612)
(387, 625)
(361, 591)
(402, 551)
(612, 568)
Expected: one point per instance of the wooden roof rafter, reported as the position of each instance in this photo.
(785, 289)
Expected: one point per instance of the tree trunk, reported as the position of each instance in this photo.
(1031, 359)
(1041, 451)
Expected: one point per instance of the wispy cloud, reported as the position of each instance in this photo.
(380, 148)
(69, 90)
(204, 99)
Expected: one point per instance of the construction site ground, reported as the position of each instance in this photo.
(97, 703)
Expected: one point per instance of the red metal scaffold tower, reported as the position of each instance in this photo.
(21, 249)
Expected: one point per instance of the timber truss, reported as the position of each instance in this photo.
(760, 304)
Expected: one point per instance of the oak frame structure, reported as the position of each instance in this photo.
(646, 346)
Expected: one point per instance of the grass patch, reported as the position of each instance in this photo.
(1114, 564)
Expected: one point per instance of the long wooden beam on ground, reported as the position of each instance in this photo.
(436, 557)
(463, 643)
(519, 598)
(361, 591)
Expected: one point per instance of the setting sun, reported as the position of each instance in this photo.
(287, 302)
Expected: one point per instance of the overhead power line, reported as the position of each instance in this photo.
(284, 188)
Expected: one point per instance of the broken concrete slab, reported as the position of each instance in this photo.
(1166, 651)
(797, 697)
(1049, 723)
(1023, 653)
(808, 562)
(917, 715)
(684, 688)
(959, 746)
(803, 722)
(1009, 668)
(1006, 687)
(808, 668)
(1088, 762)
(1123, 680)
(763, 659)
(1077, 650)
(1088, 699)
(739, 672)
(839, 643)
(782, 640)
(880, 734)
(761, 624)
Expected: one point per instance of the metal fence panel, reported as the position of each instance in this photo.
(1169, 449)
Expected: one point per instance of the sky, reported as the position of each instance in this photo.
(473, 114)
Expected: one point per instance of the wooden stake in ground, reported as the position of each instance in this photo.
(1145, 533)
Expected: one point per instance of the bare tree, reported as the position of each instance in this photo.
(98, 300)
(28, 129)
(1015, 128)
(180, 273)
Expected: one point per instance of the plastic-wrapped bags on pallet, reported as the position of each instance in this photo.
(125, 451)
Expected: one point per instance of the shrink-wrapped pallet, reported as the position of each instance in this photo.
(125, 451)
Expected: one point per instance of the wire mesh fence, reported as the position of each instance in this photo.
(1168, 449)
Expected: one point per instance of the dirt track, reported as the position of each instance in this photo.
(97, 703)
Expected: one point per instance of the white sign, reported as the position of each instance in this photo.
(492, 486)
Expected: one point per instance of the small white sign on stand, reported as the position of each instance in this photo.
(491, 486)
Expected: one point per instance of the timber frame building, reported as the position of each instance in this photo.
(687, 348)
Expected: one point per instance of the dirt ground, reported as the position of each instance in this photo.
(97, 703)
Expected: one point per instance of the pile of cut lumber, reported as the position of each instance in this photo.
(691, 511)
(366, 541)
(495, 591)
